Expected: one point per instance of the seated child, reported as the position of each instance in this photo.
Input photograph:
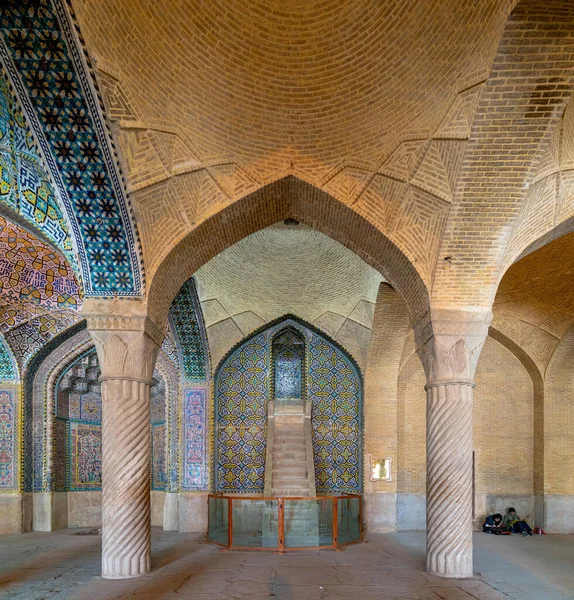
(515, 524)
(493, 524)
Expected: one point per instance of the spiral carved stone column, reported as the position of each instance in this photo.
(126, 520)
(449, 343)
(449, 479)
(127, 346)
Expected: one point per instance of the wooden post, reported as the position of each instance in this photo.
(335, 523)
(281, 526)
(229, 522)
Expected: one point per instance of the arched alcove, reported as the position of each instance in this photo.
(288, 364)
(244, 383)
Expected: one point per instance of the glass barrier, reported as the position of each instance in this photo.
(282, 524)
(217, 528)
(255, 523)
(348, 520)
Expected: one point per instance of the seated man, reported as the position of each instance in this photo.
(515, 524)
(493, 524)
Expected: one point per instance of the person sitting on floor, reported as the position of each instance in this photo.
(493, 524)
(515, 524)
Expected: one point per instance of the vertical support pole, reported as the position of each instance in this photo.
(229, 522)
(335, 523)
(281, 525)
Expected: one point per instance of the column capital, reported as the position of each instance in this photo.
(126, 339)
(449, 342)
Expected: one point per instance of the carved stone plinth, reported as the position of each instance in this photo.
(449, 344)
(127, 344)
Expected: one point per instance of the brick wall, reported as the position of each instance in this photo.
(559, 419)
(503, 451)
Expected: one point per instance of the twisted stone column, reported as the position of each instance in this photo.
(449, 344)
(127, 346)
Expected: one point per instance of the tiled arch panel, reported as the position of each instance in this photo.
(40, 51)
(243, 386)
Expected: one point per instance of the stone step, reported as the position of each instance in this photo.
(280, 463)
(291, 470)
(290, 491)
(292, 455)
(290, 436)
(281, 411)
(289, 482)
(290, 420)
(283, 479)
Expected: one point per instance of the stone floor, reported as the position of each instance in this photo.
(60, 565)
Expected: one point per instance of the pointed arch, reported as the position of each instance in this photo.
(286, 198)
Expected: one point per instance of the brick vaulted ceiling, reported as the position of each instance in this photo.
(311, 82)
(443, 124)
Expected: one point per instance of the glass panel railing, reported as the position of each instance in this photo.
(308, 523)
(255, 523)
(325, 522)
(284, 523)
(348, 520)
(217, 529)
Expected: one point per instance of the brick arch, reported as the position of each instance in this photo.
(518, 112)
(287, 198)
(538, 401)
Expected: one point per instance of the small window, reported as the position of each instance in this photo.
(381, 469)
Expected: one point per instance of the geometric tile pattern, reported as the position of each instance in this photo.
(29, 338)
(169, 347)
(50, 76)
(8, 439)
(60, 452)
(194, 476)
(241, 386)
(335, 393)
(158, 457)
(8, 367)
(288, 364)
(32, 273)
(85, 456)
(24, 185)
(186, 318)
(243, 383)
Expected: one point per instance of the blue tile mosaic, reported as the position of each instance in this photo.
(51, 78)
(243, 385)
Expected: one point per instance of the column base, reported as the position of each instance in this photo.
(126, 570)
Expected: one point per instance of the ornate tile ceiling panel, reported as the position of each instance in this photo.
(33, 274)
(8, 367)
(27, 339)
(24, 185)
(47, 68)
(186, 317)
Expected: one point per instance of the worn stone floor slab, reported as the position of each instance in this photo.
(59, 565)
